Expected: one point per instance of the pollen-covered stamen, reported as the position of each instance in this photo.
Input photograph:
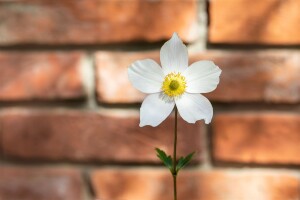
(174, 85)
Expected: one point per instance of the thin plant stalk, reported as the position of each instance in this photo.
(174, 172)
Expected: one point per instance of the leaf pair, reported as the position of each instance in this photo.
(168, 162)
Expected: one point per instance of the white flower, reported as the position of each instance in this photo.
(174, 84)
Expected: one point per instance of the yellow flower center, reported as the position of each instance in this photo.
(174, 85)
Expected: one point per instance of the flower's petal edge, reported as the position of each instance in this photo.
(174, 55)
(194, 107)
(146, 76)
(154, 110)
(202, 77)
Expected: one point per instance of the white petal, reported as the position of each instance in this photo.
(193, 107)
(146, 76)
(174, 55)
(202, 77)
(154, 110)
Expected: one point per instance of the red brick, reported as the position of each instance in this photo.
(87, 136)
(40, 76)
(264, 138)
(266, 76)
(40, 183)
(95, 21)
(273, 22)
(149, 184)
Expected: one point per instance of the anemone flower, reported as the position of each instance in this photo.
(174, 84)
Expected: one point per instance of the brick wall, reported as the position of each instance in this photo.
(69, 116)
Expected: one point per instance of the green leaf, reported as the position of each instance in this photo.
(183, 161)
(167, 160)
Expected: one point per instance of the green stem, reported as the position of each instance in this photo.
(175, 187)
(174, 172)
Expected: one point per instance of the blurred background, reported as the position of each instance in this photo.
(69, 116)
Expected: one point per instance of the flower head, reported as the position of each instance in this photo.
(174, 84)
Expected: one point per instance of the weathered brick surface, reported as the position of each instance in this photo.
(149, 184)
(40, 76)
(40, 184)
(260, 22)
(39, 63)
(264, 138)
(266, 76)
(87, 136)
(95, 21)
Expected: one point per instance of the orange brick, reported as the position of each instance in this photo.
(266, 76)
(88, 136)
(150, 184)
(95, 21)
(40, 76)
(35, 183)
(263, 138)
(273, 22)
